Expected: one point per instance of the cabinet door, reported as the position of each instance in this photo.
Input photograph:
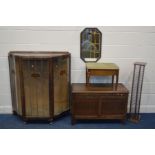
(85, 104)
(113, 104)
(61, 84)
(36, 87)
(12, 69)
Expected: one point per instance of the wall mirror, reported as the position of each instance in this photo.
(90, 44)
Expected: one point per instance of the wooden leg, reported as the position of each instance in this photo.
(14, 112)
(25, 122)
(87, 78)
(50, 121)
(73, 121)
(112, 79)
(123, 121)
(116, 80)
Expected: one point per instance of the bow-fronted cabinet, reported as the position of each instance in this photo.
(40, 84)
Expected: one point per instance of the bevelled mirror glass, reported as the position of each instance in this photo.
(90, 44)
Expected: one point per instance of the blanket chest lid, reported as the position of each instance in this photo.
(98, 88)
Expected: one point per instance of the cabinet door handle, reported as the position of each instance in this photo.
(35, 75)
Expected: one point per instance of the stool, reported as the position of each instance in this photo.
(102, 69)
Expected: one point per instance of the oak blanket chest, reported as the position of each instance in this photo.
(98, 102)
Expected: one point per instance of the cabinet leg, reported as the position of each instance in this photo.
(14, 112)
(25, 122)
(123, 121)
(73, 121)
(50, 121)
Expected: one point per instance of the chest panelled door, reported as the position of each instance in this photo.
(36, 87)
(114, 104)
(86, 104)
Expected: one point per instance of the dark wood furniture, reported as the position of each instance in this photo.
(98, 102)
(102, 69)
(40, 84)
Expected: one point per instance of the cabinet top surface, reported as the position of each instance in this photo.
(101, 66)
(98, 88)
(37, 54)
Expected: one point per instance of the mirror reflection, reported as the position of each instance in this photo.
(91, 44)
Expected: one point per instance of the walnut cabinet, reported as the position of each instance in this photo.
(40, 84)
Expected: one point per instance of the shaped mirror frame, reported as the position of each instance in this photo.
(90, 44)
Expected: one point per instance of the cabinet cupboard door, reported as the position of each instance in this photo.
(61, 85)
(36, 87)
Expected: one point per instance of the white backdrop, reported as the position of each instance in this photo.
(120, 45)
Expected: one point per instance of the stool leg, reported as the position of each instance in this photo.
(116, 80)
(87, 77)
(112, 79)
